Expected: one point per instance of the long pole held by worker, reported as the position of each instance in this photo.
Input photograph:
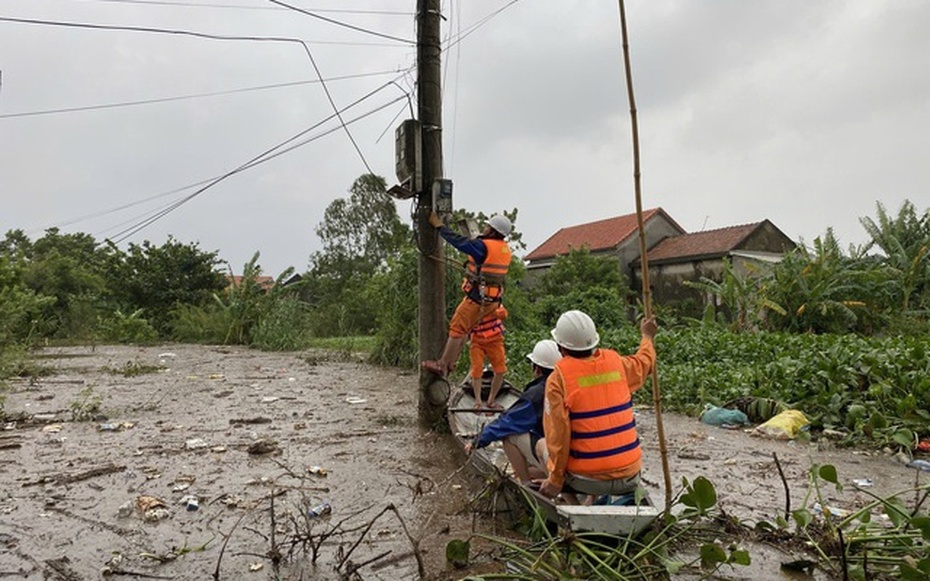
(644, 262)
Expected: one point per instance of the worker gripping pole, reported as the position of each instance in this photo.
(431, 290)
(644, 262)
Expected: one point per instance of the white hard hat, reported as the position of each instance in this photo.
(545, 354)
(501, 224)
(575, 330)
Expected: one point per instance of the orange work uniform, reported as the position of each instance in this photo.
(487, 341)
(588, 414)
(483, 287)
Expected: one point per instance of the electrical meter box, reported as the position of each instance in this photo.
(442, 197)
(408, 158)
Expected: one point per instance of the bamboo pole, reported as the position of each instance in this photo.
(647, 295)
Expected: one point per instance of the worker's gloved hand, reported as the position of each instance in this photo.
(434, 220)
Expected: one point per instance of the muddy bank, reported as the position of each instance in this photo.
(238, 431)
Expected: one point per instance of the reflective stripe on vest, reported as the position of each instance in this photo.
(600, 411)
(492, 271)
(489, 327)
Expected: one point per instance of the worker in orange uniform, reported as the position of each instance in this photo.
(591, 445)
(487, 342)
(487, 265)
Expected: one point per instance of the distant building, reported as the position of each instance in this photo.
(264, 282)
(690, 257)
(674, 255)
(616, 236)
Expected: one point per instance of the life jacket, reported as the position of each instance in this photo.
(488, 277)
(491, 325)
(600, 411)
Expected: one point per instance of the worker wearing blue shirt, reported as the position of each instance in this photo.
(519, 427)
(488, 261)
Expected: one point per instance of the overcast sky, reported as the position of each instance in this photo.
(804, 113)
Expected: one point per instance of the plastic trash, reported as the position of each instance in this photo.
(785, 426)
(190, 502)
(862, 482)
(322, 509)
(920, 465)
(723, 417)
(317, 470)
(834, 512)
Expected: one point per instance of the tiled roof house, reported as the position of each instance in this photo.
(674, 255)
(701, 254)
(615, 236)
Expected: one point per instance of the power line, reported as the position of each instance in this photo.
(262, 158)
(265, 156)
(343, 24)
(151, 29)
(186, 97)
(243, 7)
(474, 27)
(212, 37)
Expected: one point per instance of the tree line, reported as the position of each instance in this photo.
(71, 287)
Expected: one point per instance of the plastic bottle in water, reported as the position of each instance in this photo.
(319, 510)
(920, 465)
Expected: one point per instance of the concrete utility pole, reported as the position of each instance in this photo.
(432, 322)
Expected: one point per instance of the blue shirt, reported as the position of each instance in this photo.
(524, 416)
(474, 248)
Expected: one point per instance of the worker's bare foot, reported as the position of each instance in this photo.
(434, 367)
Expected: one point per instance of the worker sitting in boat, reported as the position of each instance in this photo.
(591, 445)
(486, 341)
(488, 261)
(520, 426)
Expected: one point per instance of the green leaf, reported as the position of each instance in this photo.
(878, 421)
(712, 555)
(922, 523)
(705, 493)
(802, 516)
(895, 510)
(828, 473)
(904, 437)
(740, 557)
(457, 553)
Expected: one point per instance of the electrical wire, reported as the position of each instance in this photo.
(474, 27)
(186, 97)
(242, 7)
(150, 29)
(260, 159)
(343, 24)
(212, 37)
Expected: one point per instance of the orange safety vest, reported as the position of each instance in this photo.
(600, 412)
(489, 275)
(491, 325)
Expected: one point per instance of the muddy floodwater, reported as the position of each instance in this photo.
(205, 462)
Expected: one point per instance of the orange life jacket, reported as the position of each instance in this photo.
(600, 411)
(488, 276)
(491, 325)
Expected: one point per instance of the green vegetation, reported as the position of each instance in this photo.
(888, 538)
(842, 336)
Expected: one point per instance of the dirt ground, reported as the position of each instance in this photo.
(242, 432)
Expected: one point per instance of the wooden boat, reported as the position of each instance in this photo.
(616, 515)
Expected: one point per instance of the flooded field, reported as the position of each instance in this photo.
(204, 462)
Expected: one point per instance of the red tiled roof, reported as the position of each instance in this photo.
(709, 242)
(600, 235)
(265, 282)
